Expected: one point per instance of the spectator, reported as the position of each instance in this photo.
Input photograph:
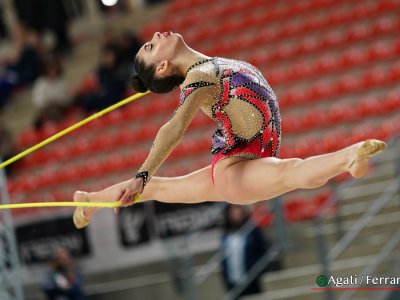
(108, 38)
(111, 83)
(241, 250)
(41, 15)
(128, 46)
(55, 19)
(62, 280)
(21, 69)
(50, 94)
(3, 28)
(28, 14)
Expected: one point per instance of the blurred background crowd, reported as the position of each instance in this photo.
(37, 45)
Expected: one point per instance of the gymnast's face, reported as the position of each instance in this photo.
(161, 51)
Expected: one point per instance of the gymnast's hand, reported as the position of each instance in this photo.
(128, 192)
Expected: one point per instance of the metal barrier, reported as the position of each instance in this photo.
(262, 263)
(180, 256)
(378, 259)
(193, 281)
(190, 277)
(326, 258)
(364, 220)
(10, 281)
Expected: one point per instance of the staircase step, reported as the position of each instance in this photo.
(363, 191)
(297, 283)
(307, 274)
(383, 220)
(369, 245)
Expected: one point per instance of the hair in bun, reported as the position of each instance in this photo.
(144, 79)
(137, 84)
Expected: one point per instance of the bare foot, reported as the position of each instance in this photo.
(82, 215)
(360, 155)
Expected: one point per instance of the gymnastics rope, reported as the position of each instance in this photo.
(57, 136)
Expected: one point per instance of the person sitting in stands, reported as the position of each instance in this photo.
(50, 93)
(241, 249)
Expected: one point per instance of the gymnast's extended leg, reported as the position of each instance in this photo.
(191, 188)
(248, 181)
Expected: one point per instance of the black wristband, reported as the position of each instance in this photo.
(144, 175)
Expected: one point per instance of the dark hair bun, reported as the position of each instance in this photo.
(137, 84)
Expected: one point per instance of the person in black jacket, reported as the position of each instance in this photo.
(241, 250)
(4, 33)
(23, 69)
(42, 15)
(55, 19)
(63, 280)
(111, 84)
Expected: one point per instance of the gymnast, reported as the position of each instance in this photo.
(245, 166)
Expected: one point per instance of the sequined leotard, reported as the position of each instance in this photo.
(238, 98)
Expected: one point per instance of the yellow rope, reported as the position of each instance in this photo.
(64, 204)
(57, 136)
(71, 128)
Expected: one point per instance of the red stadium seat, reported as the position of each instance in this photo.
(382, 133)
(290, 124)
(306, 46)
(317, 203)
(295, 96)
(385, 25)
(396, 46)
(391, 127)
(346, 84)
(27, 138)
(262, 216)
(299, 209)
(299, 70)
(332, 39)
(392, 101)
(339, 113)
(306, 147)
(359, 32)
(369, 106)
(379, 51)
(363, 132)
(352, 58)
(319, 90)
(374, 77)
(81, 147)
(112, 118)
(314, 118)
(333, 141)
(276, 77)
(325, 64)
(394, 73)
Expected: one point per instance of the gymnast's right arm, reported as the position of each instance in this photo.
(192, 96)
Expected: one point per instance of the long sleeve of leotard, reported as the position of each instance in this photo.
(193, 94)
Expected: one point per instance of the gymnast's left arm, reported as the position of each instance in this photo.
(169, 135)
